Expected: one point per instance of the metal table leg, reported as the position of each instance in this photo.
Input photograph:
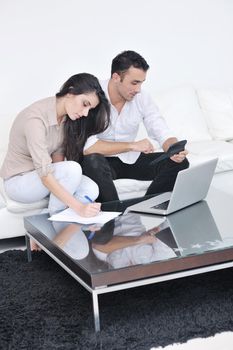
(96, 311)
(29, 252)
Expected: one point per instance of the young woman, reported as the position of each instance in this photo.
(46, 133)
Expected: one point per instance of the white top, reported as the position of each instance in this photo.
(124, 126)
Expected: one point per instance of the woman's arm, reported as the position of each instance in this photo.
(56, 157)
(64, 235)
(86, 210)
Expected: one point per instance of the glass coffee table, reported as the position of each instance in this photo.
(139, 249)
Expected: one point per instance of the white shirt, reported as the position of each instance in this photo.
(131, 225)
(124, 126)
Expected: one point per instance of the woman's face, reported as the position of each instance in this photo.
(78, 106)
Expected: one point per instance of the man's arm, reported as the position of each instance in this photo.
(178, 158)
(108, 148)
(121, 242)
(168, 143)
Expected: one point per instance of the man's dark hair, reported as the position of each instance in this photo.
(127, 59)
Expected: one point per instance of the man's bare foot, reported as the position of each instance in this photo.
(34, 246)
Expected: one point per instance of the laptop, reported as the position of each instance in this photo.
(191, 186)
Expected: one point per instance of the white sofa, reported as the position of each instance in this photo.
(202, 116)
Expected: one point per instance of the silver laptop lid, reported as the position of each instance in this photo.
(192, 185)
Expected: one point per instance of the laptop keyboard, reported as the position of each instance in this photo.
(163, 205)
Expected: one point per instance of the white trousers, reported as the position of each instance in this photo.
(28, 187)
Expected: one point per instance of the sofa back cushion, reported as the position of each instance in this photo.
(217, 106)
(182, 112)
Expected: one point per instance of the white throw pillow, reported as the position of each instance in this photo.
(217, 106)
(182, 112)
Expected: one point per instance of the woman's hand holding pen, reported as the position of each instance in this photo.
(90, 209)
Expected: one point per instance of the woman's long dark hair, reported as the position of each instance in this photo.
(77, 131)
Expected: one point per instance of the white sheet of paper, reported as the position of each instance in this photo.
(69, 215)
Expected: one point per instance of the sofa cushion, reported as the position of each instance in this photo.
(11, 205)
(129, 188)
(182, 112)
(18, 207)
(204, 150)
(217, 106)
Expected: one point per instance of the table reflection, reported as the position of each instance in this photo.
(135, 238)
(194, 229)
(71, 239)
(127, 241)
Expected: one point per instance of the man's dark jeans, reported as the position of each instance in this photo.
(103, 170)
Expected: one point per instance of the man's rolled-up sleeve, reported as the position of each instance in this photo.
(154, 122)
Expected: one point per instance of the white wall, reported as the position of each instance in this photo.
(43, 42)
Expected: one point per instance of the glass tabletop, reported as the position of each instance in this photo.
(136, 239)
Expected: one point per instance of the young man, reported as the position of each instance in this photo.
(115, 154)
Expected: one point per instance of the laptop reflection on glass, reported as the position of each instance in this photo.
(191, 186)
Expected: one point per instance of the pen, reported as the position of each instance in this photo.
(92, 233)
(88, 198)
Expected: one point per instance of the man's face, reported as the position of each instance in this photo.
(129, 83)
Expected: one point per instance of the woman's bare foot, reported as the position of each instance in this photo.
(34, 246)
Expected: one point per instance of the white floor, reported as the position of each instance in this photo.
(222, 341)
